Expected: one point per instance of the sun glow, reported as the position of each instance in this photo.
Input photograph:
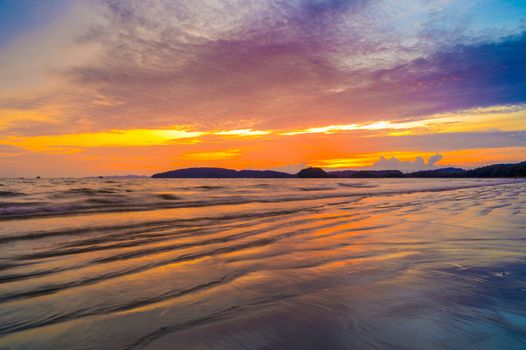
(215, 155)
(329, 146)
(114, 138)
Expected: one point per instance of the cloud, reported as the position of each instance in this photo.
(30, 65)
(282, 63)
(453, 140)
(10, 151)
(211, 156)
(433, 159)
(68, 143)
(267, 64)
(309, 80)
(406, 165)
(242, 132)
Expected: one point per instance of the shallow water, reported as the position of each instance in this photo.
(262, 264)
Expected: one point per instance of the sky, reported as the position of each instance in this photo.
(114, 87)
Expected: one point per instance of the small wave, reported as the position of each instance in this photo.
(136, 204)
(148, 226)
(75, 315)
(356, 185)
(309, 189)
(260, 186)
(226, 313)
(104, 201)
(84, 191)
(168, 196)
(5, 205)
(209, 187)
(11, 194)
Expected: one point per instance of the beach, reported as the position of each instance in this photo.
(262, 263)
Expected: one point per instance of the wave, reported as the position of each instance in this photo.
(105, 309)
(87, 191)
(11, 194)
(121, 203)
(215, 317)
(356, 185)
(168, 196)
(309, 189)
(209, 187)
(162, 262)
(170, 273)
(150, 226)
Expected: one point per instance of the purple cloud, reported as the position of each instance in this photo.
(410, 165)
(278, 63)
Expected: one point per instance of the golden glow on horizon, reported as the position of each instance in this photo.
(69, 143)
(217, 155)
(502, 118)
(366, 160)
(241, 148)
(463, 157)
(481, 156)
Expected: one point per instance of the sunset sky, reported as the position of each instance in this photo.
(101, 87)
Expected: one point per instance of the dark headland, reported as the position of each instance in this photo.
(221, 173)
(496, 170)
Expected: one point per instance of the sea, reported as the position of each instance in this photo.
(112, 263)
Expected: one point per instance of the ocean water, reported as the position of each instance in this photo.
(262, 264)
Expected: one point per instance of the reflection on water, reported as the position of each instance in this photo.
(254, 263)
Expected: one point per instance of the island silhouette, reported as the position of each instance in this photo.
(495, 170)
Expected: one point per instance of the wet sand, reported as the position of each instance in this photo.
(263, 264)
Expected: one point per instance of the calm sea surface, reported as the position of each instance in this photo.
(262, 264)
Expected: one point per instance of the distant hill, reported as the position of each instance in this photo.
(343, 173)
(221, 173)
(496, 170)
(443, 172)
(314, 173)
(262, 174)
(499, 170)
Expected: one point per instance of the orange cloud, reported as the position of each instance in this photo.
(504, 118)
(207, 156)
(242, 132)
(464, 157)
(121, 138)
(333, 146)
